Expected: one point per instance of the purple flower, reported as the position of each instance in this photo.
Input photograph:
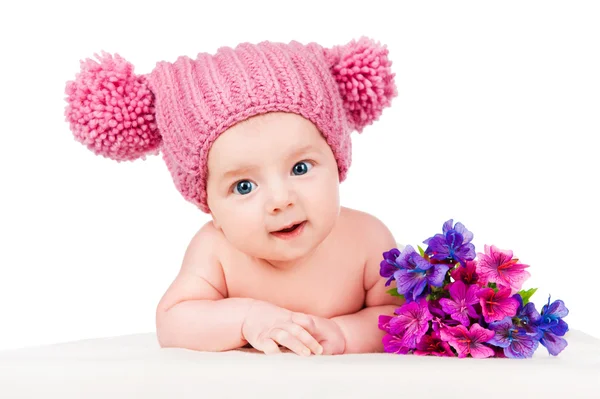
(527, 316)
(469, 341)
(440, 318)
(515, 341)
(460, 307)
(432, 344)
(453, 245)
(497, 305)
(411, 323)
(551, 317)
(553, 327)
(388, 265)
(416, 273)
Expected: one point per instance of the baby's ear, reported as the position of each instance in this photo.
(365, 80)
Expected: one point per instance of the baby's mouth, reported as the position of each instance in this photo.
(294, 227)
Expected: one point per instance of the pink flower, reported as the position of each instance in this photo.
(497, 305)
(498, 266)
(469, 341)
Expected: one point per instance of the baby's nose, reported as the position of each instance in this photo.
(281, 197)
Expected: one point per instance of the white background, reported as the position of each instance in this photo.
(495, 126)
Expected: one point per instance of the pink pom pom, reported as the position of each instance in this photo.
(111, 110)
(366, 82)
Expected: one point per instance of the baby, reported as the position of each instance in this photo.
(259, 138)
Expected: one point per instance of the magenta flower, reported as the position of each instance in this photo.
(454, 245)
(460, 306)
(466, 274)
(517, 343)
(469, 341)
(497, 305)
(432, 344)
(411, 322)
(498, 266)
(391, 343)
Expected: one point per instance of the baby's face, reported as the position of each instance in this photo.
(266, 173)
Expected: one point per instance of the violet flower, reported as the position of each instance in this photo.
(388, 265)
(498, 266)
(416, 273)
(552, 327)
(440, 318)
(469, 341)
(517, 343)
(527, 316)
(453, 245)
(460, 306)
(497, 305)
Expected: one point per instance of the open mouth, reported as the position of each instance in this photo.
(289, 229)
(290, 232)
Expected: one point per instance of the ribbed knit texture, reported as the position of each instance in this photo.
(195, 100)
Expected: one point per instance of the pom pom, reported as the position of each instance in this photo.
(111, 110)
(363, 73)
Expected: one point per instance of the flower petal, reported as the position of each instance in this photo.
(481, 351)
(406, 280)
(437, 274)
(393, 344)
(553, 343)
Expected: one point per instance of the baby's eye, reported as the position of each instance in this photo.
(244, 187)
(301, 168)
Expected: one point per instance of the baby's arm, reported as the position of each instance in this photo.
(361, 329)
(194, 312)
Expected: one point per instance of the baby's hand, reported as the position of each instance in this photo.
(267, 326)
(330, 336)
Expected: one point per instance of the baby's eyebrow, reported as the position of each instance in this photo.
(240, 169)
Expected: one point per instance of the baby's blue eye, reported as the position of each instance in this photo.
(244, 187)
(301, 167)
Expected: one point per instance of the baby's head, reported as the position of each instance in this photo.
(266, 173)
(251, 105)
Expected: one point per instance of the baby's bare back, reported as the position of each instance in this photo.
(329, 284)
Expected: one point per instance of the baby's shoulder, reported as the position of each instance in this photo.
(367, 227)
(373, 236)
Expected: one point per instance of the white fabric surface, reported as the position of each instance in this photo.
(134, 366)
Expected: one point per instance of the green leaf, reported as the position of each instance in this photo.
(526, 294)
(421, 250)
(394, 292)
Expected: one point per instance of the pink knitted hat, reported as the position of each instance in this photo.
(181, 108)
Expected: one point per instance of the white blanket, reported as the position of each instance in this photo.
(134, 366)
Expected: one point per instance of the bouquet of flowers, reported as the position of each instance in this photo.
(459, 303)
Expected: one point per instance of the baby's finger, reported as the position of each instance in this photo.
(287, 339)
(268, 346)
(305, 337)
(308, 324)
